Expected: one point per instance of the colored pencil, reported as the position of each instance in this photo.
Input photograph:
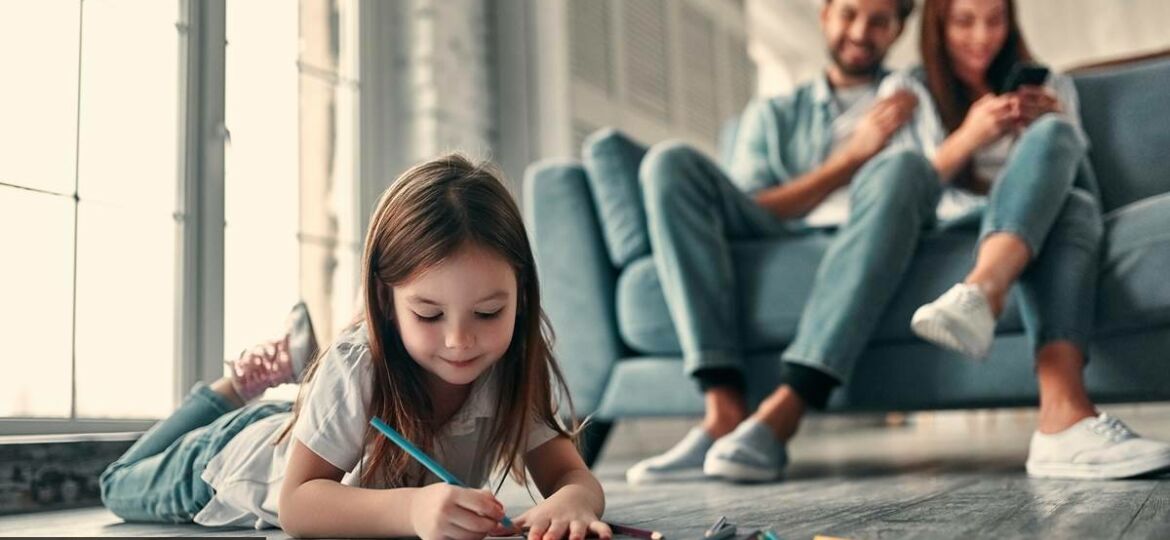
(635, 532)
(422, 458)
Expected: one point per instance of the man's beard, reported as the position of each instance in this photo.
(864, 70)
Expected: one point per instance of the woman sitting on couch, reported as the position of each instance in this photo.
(1017, 156)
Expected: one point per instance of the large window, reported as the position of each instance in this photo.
(290, 167)
(93, 226)
(88, 188)
(261, 170)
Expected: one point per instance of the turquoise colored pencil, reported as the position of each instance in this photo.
(422, 458)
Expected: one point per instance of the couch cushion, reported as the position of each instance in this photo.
(775, 277)
(1134, 292)
(908, 376)
(612, 161)
(577, 281)
(1125, 112)
(902, 376)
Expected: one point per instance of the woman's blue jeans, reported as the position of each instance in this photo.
(1047, 197)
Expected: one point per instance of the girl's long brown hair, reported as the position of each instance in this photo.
(430, 212)
(950, 94)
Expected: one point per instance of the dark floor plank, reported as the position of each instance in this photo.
(1013, 506)
(1153, 518)
(1068, 509)
(795, 508)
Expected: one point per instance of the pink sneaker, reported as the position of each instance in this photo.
(276, 362)
(300, 338)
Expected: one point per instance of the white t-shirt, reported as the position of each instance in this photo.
(246, 475)
(851, 105)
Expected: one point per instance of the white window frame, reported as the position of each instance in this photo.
(199, 279)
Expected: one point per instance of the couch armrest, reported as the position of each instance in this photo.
(577, 279)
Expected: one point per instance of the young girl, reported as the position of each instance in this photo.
(451, 351)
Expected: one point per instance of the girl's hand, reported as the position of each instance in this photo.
(561, 515)
(1034, 101)
(989, 118)
(446, 511)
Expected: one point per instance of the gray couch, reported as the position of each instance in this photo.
(618, 348)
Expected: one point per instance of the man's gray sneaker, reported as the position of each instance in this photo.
(751, 453)
(682, 462)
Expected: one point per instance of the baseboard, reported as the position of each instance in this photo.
(56, 472)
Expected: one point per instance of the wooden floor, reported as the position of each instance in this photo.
(941, 476)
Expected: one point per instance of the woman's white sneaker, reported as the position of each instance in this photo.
(959, 320)
(1096, 448)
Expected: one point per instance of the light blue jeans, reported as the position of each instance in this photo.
(1047, 196)
(695, 213)
(158, 478)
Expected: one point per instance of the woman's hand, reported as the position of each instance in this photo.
(989, 118)
(565, 513)
(1032, 102)
(446, 511)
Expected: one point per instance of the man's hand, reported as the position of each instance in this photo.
(800, 195)
(874, 129)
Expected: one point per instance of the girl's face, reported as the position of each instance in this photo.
(457, 318)
(975, 32)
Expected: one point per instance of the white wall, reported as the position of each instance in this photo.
(654, 69)
(427, 85)
(521, 80)
(786, 43)
(450, 73)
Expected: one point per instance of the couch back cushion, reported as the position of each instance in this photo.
(1132, 293)
(611, 161)
(1126, 114)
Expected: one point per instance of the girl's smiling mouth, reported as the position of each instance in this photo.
(461, 363)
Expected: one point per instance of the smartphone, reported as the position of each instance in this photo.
(1024, 74)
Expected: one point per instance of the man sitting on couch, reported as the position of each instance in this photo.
(811, 155)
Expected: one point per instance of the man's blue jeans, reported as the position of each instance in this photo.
(158, 478)
(695, 212)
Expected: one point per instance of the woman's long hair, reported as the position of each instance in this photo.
(430, 212)
(951, 97)
(949, 93)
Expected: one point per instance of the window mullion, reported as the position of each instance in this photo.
(201, 195)
(76, 216)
